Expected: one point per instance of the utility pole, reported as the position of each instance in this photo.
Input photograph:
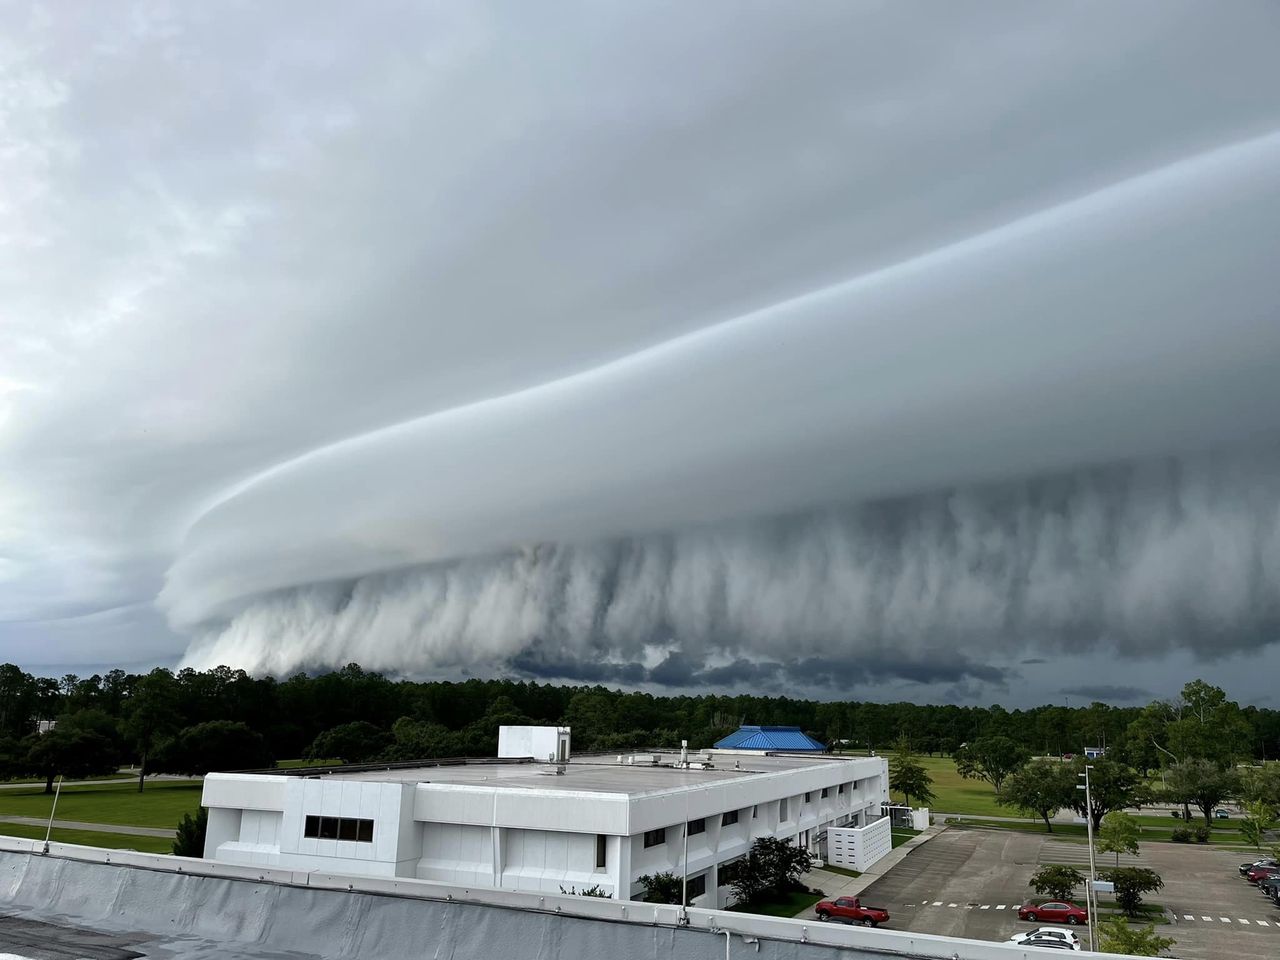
(1090, 898)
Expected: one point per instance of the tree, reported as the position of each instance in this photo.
(1112, 786)
(1116, 936)
(150, 715)
(771, 868)
(991, 759)
(1118, 834)
(1204, 784)
(1262, 784)
(1057, 882)
(1259, 821)
(355, 742)
(1042, 787)
(908, 776)
(77, 747)
(216, 745)
(662, 887)
(1131, 883)
(189, 841)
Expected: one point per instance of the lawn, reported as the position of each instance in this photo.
(786, 906)
(90, 838)
(162, 804)
(1153, 829)
(902, 834)
(956, 794)
(843, 871)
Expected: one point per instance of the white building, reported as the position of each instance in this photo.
(537, 824)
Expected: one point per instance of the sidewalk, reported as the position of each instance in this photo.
(838, 885)
(95, 827)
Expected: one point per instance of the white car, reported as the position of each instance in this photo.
(1062, 934)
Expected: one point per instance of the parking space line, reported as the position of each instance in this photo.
(1207, 918)
(1242, 921)
(938, 903)
(1263, 923)
(1187, 916)
(950, 904)
(1225, 919)
(986, 906)
(1001, 907)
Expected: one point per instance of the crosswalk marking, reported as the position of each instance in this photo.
(950, 904)
(1187, 916)
(1239, 920)
(938, 903)
(986, 906)
(1207, 918)
(1263, 923)
(1225, 919)
(1001, 907)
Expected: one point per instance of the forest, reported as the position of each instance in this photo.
(194, 721)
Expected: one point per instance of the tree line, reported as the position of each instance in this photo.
(193, 721)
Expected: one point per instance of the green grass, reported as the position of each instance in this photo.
(90, 838)
(119, 775)
(162, 804)
(843, 871)
(786, 906)
(1151, 832)
(954, 794)
(902, 834)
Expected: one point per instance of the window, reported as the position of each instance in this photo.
(655, 838)
(826, 792)
(729, 819)
(808, 798)
(755, 812)
(729, 871)
(600, 850)
(697, 826)
(782, 809)
(338, 828)
(841, 790)
(697, 885)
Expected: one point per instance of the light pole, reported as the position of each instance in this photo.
(1089, 896)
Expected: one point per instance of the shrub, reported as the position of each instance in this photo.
(661, 887)
(1202, 834)
(595, 890)
(1181, 835)
(771, 867)
(189, 841)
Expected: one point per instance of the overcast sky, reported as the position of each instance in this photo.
(845, 349)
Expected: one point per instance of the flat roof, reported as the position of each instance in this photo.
(593, 773)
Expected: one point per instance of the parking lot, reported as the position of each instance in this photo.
(969, 883)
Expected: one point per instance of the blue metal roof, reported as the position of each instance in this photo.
(771, 738)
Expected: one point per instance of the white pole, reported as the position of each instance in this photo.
(1091, 896)
(49, 830)
(684, 873)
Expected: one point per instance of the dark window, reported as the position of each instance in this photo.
(697, 826)
(782, 809)
(755, 812)
(338, 828)
(729, 871)
(697, 885)
(826, 792)
(655, 838)
(600, 849)
(729, 819)
(841, 790)
(808, 798)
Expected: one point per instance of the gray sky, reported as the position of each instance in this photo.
(838, 348)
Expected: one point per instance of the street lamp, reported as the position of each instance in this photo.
(1090, 900)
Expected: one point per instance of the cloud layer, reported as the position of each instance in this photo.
(307, 300)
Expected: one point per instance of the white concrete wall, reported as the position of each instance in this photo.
(857, 848)
(541, 743)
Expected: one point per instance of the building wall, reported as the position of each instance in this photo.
(533, 840)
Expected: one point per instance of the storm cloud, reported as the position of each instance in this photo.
(670, 345)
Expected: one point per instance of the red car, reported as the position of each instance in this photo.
(1254, 874)
(1054, 911)
(850, 910)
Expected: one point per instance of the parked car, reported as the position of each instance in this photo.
(851, 910)
(1264, 862)
(1258, 873)
(1221, 814)
(1050, 943)
(1052, 933)
(1269, 885)
(1055, 911)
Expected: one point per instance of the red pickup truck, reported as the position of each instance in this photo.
(851, 910)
